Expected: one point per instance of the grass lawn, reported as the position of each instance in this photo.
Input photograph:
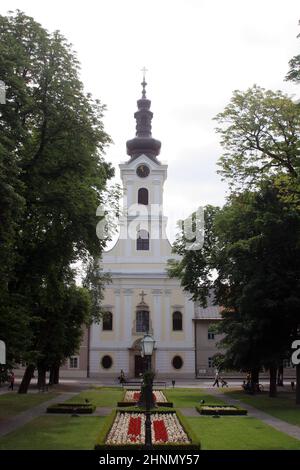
(55, 433)
(13, 403)
(239, 433)
(102, 396)
(190, 397)
(282, 407)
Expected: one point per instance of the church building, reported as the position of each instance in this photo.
(141, 297)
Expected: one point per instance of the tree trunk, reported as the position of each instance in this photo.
(254, 377)
(280, 376)
(56, 374)
(28, 374)
(273, 387)
(51, 375)
(41, 377)
(298, 384)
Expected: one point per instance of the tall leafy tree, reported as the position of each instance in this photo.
(58, 151)
(259, 277)
(260, 133)
(253, 251)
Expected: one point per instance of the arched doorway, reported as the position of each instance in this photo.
(137, 363)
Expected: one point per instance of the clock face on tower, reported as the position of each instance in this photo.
(142, 171)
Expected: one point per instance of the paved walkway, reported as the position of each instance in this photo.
(283, 426)
(12, 423)
(189, 412)
(102, 411)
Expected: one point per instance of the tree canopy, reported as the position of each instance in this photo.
(53, 176)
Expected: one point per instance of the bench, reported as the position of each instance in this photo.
(134, 383)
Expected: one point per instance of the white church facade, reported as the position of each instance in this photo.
(141, 297)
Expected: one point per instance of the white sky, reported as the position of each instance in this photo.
(197, 53)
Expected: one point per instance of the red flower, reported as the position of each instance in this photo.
(134, 428)
(160, 431)
(136, 396)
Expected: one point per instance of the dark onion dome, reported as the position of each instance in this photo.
(143, 142)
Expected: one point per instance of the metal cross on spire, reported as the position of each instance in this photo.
(142, 295)
(144, 83)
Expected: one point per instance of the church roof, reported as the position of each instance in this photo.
(143, 143)
(208, 313)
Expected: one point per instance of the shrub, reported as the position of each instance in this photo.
(222, 410)
(78, 408)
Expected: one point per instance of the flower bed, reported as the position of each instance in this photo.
(225, 410)
(132, 397)
(126, 430)
(78, 408)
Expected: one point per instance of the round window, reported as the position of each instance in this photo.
(177, 362)
(106, 362)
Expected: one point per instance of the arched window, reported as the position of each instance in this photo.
(177, 321)
(143, 196)
(107, 321)
(142, 241)
(142, 321)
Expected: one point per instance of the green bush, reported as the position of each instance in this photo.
(123, 403)
(78, 408)
(129, 404)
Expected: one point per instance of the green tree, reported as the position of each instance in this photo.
(259, 277)
(255, 259)
(294, 71)
(260, 133)
(194, 268)
(57, 142)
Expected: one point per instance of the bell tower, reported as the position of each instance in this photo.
(143, 224)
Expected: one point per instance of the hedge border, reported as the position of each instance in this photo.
(123, 403)
(67, 408)
(100, 443)
(235, 411)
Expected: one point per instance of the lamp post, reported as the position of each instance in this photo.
(147, 344)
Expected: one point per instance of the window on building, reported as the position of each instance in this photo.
(210, 335)
(177, 362)
(73, 362)
(210, 362)
(142, 241)
(106, 362)
(107, 321)
(177, 321)
(142, 321)
(143, 196)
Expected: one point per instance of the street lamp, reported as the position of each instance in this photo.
(147, 344)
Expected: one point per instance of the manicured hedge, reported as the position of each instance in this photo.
(123, 403)
(211, 410)
(167, 404)
(78, 408)
(100, 443)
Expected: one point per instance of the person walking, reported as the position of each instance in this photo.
(11, 381)
(217, 378)
(122, 378)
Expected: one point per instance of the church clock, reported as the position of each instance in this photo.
(142, 171)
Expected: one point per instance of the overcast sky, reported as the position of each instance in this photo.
(197, 53)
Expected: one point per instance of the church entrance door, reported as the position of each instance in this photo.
(140, 365)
